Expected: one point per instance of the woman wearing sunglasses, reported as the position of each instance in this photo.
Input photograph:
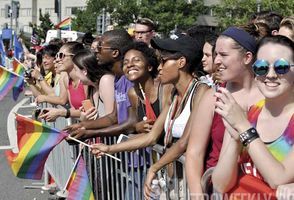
(257, 154)
(179, 58)
(75, 89)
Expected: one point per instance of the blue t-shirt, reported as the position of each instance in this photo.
(121, 88)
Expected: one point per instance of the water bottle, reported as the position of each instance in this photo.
(155, 195)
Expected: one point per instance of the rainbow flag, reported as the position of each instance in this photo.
(79, 187)
(64, 25)
(19, 69)
(35, 141)
(7, 81)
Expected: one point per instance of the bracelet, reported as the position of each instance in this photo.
(67, 115)
(248, 136)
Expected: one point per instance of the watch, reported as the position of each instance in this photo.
(248, 136)
(40, 78)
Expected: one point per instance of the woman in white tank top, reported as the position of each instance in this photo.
(179, 58)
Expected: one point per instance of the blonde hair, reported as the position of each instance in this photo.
(288, 22)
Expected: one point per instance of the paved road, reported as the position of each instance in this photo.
(12, 188)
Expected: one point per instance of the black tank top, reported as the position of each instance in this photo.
(142, 112)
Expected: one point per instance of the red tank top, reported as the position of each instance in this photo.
(216, 140)
(77, 95)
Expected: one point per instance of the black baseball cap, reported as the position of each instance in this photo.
(185, 44)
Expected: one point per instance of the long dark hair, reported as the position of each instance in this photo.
(86, 60)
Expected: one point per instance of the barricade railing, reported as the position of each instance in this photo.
(61, 159)
(112, 179)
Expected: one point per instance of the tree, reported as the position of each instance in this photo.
(167, 13)
(85, 20)
(236, 12)
(170, 14)
(45, 25)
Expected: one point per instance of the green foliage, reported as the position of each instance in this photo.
(167, 13)
(236, 12)
(84, 22)
(45, 25)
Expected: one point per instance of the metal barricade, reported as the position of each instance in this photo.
(111, 179)
(125, 180)
(61, 159)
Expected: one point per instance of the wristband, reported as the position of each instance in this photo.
(248, 136)
(67, 115)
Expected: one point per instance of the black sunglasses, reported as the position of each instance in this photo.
(261, 67)
(163, 60)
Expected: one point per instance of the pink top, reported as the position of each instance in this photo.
(76, 95)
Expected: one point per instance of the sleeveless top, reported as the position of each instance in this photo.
(142, 110)
(76, 95)
(156, 108)
(250, 180)
(139, 158)
(215, 142)
(217, 132)
(57, 85)
(179, 123)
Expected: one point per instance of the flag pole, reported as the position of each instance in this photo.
(11, 72)
(111, 156)
(144, 96)
(70, 24)
(72, 170)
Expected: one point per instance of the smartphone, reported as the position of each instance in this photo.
(122, 138)
(87, 104)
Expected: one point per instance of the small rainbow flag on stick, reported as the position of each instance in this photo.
(35, 141)
(8, 80)
(79, 187)
(64, 25)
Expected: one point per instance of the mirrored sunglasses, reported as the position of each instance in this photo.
(261, 67)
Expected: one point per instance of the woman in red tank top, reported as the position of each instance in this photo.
(234, 55)
(64, 63)
(257, 153)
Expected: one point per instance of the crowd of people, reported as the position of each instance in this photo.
(224, 100)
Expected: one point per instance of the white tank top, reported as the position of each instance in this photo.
(180, 122)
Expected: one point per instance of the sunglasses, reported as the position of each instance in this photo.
(61, 55)
(261, 67)
(100, 47)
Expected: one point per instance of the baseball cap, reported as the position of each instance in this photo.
(185, 44)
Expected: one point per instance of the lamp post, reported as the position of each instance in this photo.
(258, 5)
(57, 8)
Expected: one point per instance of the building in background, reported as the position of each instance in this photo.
(29, 12)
